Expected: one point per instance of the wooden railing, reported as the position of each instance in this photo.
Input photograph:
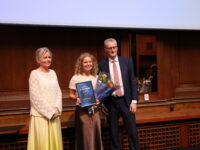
(162, 125)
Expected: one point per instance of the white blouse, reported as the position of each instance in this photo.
(80, 78)
(45, 93)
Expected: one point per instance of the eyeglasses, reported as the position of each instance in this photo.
(110, 48)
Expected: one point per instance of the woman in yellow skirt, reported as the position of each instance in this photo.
(46, 105)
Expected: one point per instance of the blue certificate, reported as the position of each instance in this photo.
(86, 93)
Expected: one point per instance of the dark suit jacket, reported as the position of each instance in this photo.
(128, 78)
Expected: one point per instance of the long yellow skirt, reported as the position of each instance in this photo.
(44, 134)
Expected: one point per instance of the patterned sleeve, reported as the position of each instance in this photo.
(59, 95)
(36, 100)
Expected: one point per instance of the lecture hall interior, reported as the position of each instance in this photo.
(167, 68)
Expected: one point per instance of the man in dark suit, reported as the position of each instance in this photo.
(123, 101)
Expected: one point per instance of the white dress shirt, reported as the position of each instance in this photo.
(119, 74)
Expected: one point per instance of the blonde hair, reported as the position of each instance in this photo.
(41, 51)
(79, 64)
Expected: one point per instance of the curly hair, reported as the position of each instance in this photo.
(79, 62)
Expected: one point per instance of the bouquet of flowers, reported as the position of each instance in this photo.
(104, 88)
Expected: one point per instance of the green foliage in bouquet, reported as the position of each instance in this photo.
(104, 78)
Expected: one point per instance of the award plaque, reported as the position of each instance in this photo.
(86, 93)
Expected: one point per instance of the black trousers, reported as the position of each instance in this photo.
(116, 108)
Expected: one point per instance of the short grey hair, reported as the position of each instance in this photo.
(109, 40)
(41, 51)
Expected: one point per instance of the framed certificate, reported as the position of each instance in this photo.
(86, 93)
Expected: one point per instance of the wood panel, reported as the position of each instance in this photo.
(146, 44)
(166, 64)
(189, 57)
(178, 63)
(177, 55)
(178, 74)
(18, 45)
(160, 136)
(126, 44)
(187, 66)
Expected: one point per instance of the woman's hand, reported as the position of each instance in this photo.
(72, 95)
(56, 114)
(78, 101)
(97, 101)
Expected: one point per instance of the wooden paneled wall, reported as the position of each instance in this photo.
(178, 61)
(177, 58)
(18, 45)
(187, 66)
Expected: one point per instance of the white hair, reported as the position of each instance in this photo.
(109, 40)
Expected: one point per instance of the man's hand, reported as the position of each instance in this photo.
(133, 107)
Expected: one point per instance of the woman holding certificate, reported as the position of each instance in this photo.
(88, 126)
(46, 105)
